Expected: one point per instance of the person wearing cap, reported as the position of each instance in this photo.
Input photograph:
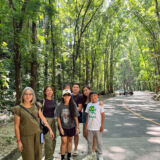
(94, 125)
(67, 117)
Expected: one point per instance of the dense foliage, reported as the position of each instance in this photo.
(108, 45)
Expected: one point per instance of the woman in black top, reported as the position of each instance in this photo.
(48, 110)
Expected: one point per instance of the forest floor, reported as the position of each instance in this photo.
(7, 139)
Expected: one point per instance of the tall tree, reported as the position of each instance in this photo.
(18, 23)
(34, 58)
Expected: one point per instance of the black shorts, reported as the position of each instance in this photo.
(68, 132)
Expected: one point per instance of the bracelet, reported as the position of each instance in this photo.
(18, 140)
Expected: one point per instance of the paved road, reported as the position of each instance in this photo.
(128, 136)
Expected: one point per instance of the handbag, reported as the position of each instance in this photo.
(42, 125)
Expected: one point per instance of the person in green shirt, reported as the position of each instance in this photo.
(27, 129)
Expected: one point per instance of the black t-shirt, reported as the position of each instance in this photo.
(78, 100)
(48, 108)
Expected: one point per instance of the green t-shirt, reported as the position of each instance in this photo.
(28, 125)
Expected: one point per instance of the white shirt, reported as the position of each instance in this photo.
(94, 111)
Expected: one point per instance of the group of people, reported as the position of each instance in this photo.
(73, 109)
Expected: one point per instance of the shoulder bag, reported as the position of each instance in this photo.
(42, 125)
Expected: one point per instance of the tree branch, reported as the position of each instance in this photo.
(85, 15)
(87, 24)
(77, 19)
(147, 27)
(157, 12)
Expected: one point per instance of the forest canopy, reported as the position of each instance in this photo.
(106, 44)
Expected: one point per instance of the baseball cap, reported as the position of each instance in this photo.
(66, 91)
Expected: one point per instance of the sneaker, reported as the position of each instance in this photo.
(89, 157)
(94, 155)
(100, 157)
(75, 153)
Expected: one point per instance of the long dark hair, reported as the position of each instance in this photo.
(72, 107)
(85, 97)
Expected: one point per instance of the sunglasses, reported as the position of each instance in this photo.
(67, 95)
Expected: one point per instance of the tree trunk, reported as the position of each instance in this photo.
(83, 64)
(53, 59)
(158, 19)
(46, 54)
(80, 64)
(73, 68)
(105, 73)
(87, 65)
(16, 47)
(97, 80)
(157, 12)
(111, 71)
(34, 58)
(93, 58)
(17, 64)
(63, 71)
(59, 82)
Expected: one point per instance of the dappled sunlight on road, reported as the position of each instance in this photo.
(129, 124)
(154, 131)
(117, 149)
(105, 130)
(118, 125)
(135, 100)
(154, 140)
(114, 156)
(154, 128)
(134, 117)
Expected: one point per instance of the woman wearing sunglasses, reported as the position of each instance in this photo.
(67, 116)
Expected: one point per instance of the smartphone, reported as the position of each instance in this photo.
(41, 138)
